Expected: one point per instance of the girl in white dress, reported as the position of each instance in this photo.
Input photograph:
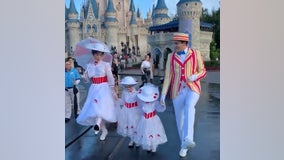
(150, 130)
(130, 112)
(99, 106)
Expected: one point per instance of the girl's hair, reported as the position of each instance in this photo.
(94, 52)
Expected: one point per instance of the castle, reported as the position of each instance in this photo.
(120, 26)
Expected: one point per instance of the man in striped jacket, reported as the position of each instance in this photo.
(184, 69)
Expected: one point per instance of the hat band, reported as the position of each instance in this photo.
(180, 38)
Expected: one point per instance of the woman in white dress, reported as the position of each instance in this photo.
(99, 106)
(130, 112)
(150, 130)
(147, 70)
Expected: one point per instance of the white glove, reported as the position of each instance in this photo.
(192, 78)
(114, 94)
(162, 100)
(77, 82)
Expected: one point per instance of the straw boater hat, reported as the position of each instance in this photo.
(128, 81)
(148, 93)
(98, 47)
(180, 37)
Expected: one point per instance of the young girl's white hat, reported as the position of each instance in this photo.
(148, 93)
(128, 80)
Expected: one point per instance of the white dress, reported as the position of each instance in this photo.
(129, 114)
(148, 66)
(99, 102)
(150, 132)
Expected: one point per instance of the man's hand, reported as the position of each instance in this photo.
(192, 78)
(162, 100)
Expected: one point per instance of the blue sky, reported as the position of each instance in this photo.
(145, 5)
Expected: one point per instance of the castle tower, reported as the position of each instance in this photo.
(73, 26)
(133, 30)
(148, 20)
(161, 13)
(189, 13)
(91, 24)
(111, 24)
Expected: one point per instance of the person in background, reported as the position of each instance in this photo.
(147, 70)
(184, 70)
(114, 67)
(77, 107)
(72, 79)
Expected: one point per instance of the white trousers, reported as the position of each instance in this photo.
(69, 100)
(184, 106)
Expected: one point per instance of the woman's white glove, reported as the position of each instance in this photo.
(114, 94)
(192, 78)
(162, 100)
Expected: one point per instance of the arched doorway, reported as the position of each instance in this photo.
(166, 53)
(156, 54)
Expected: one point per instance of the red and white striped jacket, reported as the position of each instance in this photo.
(176, 72)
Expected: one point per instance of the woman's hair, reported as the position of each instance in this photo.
(95, 51)
(149, 54)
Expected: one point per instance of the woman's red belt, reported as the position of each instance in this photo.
(97, 80)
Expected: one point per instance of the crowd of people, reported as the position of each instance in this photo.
(135, 111)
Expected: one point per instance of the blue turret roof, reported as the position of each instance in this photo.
(72, 8)
(173, 26)
(66, 12)
(138, 13)
(182, 1)
(133, 19)
(153, 11)
(110, 7)
(161, 5)
(132, 7)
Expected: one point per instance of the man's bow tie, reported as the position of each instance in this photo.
(181, 52)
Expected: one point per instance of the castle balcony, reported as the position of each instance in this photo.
(160, 38)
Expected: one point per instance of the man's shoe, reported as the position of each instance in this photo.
(188, 144)
(67, 120)
(183, 152)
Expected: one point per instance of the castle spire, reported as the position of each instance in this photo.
(138, 13)
(110, 7)
(94, 6)
(133, 19)
(132, 7)
(72, 8)
(161, 5)
(160, 13)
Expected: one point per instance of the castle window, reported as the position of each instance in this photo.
(186, 4)
(88, 27)
(95, 28)
(196, 4)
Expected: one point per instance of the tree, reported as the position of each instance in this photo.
(213, 18)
